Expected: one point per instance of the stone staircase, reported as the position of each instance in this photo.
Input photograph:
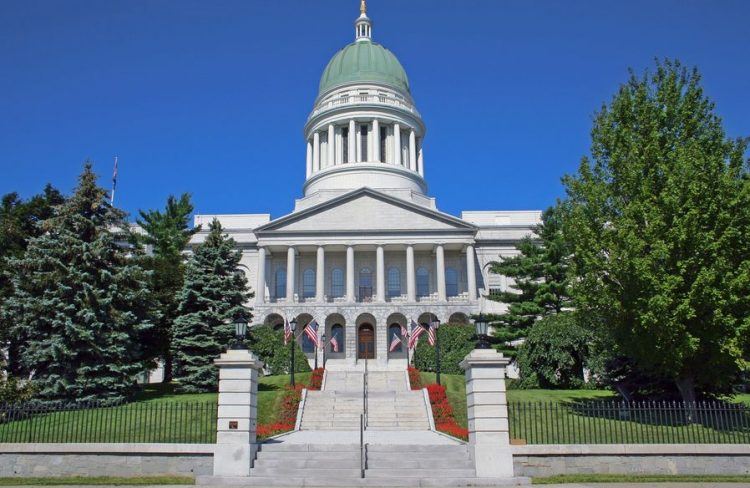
(391, 405)
(388, 465)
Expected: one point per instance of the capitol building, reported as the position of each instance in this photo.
(366, 248)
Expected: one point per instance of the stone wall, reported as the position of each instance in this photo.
(687, 459)
(25, 460)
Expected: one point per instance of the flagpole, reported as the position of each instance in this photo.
(114, 184)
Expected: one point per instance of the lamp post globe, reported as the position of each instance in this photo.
(480, 324)
(240, 332)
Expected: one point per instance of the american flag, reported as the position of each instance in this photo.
(432, 333)
(395, 342)
(287, 332)
(416, 331)
(334, 343)
(312, 332)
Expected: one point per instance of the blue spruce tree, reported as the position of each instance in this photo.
(212, 296)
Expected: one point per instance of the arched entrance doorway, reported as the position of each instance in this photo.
(366, 342)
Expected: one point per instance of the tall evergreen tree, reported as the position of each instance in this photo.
(19, 222)
(213, 295)
(540, 278)
(80, 302)
(659, 224)
(168, 234)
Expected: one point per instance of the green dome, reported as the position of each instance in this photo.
(364, 61)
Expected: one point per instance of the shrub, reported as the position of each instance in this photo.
(290, 405)
(456, 341)
(442, 412)
(415, 380)
(554, 353)
(13, 391)
(263, 431)
(268, 345)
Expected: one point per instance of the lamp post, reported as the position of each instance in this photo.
(293, 326)
(437, 352)
(323, 338)
(480, 324)
(240, 332)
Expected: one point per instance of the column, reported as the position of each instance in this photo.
(316, 152)
(376, 140)
(397, 144)
(320, 275)
(290, 272)
(380, 270)
(489, 439)
(331, 145)
(309, 161)
(411, 289)
(237, 414)
(352, 141)
(471, 275)
(420, 161)
(412, 150)
(260, 289)
(440, 271)
(350, 274)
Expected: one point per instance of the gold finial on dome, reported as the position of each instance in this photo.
(363, 7)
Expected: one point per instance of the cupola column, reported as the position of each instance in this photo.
(376, 140)
(308, 166)
(397, 144)
(331, 145)
(352, 141)
(412, 150)
(420, 161)
(316, 153)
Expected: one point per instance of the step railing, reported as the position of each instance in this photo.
(364, 395)
(362, 452)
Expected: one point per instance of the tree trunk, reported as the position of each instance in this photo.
(168, 375)
(686, 386)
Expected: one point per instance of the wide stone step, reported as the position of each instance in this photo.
(312, 482)
(399, 462)
(305, 472)
(315, 456)
(289, 447)
(294, 463)
(419, 473)
(437, 450)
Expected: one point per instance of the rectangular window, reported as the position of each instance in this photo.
(345, 144)
(363, 142)
(383, 139)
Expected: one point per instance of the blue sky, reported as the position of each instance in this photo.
(210, 97)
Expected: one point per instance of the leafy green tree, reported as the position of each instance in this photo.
(213, 295)
(268, 345)
(555, 353)
(19, 222)
(540, 278)
(80, 301)
(456, 341)
(658, 220)
(167, 233)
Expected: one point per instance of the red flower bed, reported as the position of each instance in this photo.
(264, 431)
(316, 379)
(442, 412)
(415, 380)
(290, 405)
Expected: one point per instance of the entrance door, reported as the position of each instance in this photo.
(366, 342)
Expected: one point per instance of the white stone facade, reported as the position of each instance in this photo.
(366, 246)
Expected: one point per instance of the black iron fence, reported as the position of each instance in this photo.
(167, 422)
(609, 422)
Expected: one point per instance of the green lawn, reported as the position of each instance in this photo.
(157, 414)
(560, 419)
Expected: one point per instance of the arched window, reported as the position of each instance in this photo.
(394, 282)
(337, 282)
(395, 331)
(307, 343)
(337, 331)
(451, 282)
(365, 285)
(423, 282)
(308, 283)
(281, 283)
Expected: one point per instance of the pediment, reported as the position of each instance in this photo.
(366, 210)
